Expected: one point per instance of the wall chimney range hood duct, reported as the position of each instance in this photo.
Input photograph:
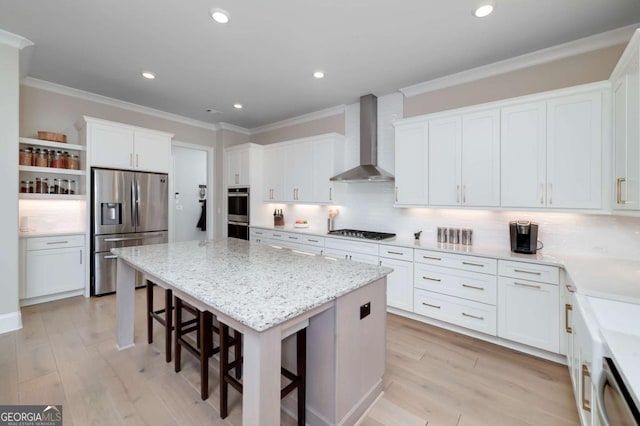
(368, 170)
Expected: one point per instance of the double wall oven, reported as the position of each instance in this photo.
(238, 213)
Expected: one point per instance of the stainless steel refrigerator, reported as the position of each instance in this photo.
(127, 209)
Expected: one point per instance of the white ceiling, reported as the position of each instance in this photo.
(265, 56)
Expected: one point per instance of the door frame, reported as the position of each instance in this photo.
(211, 193)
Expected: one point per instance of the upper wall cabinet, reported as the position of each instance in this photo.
(299, 171)
(626, 128)
(412, 179)
(120, 146)
(242, 165)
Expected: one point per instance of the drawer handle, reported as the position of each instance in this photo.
(277, 235)
(293, 238)
(258, 233)
(522, 271)
(473, 287)
(431, 279)
(472, 316)
(395, 252)
(527, 285)
(431, 258)
(567, 308)
(110, 257)
(57, 242)
(473, 264)
(430, 305)
(313, 241)
(571, 288)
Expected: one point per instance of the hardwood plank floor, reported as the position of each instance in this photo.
(66, 354)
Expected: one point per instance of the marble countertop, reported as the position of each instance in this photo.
(611, 278)
(257, 285)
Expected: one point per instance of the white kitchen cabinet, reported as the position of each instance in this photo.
(481, 159)
(528, 313)
(238, 170)
(120, 146)
(400, 281)
(574, 151)
(327, 162)
(273, 180)
(626, 128)
(298, 172)
(411, 153)
(464, 160)
(523, 155)
(52, 265)
(445, 145)
(351, 250)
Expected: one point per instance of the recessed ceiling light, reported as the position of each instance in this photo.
(221, 16)
(484, 9)
(237, 106)
(318, 74)
(148, 75)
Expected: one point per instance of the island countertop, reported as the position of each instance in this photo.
(257, 285)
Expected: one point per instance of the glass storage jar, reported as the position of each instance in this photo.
(71, 187)
(55, 188)
(64, 185)
(58, 160)
(26, 156)
(27, 187)
(42, 185)
(40, 158)
(73, 162)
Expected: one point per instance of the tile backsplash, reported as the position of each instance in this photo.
(369, 206)
(52, 216)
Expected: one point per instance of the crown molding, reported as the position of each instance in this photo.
(336, 110)
(233, 128)
(14, 40)
(105, 100)
(561, 51)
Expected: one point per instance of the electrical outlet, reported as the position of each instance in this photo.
(365, 310)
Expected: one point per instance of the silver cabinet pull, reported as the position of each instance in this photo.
(330, 194)
(586, 404)
(464, 194)
(527, 285)
(431, 279)
(277, 235)
(137, 162)
(313, 241)
(619, 199)
(81, 256)
(395, 252)
(110, 257)
(131, 160)
(550, 193)
(293, 238)
(473, 287)
(472, 316)
(430, 305)
(567, 308)
(457, 194)
(524, 271)
(431, 258)
(115, 240)
(396, 194)
(57, 242)
(542, 193)
(258, 233)
(571, 288)
(473, 264)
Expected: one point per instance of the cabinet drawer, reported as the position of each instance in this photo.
(465, 313)
(62, 241)
(352, 246)
(312, 240)
(258, 233)
(529, 271)
(346, 255)
(395, 252)
(459, 261)
(468, 285)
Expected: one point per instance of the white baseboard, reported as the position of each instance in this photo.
(10, 322)
(51, 297)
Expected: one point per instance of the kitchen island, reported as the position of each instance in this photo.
(267, 293)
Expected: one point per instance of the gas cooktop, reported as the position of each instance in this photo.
(367, 235)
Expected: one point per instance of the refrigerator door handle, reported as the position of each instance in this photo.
(137, 203)
(133, 205)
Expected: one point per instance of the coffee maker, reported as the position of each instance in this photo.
(524, 236)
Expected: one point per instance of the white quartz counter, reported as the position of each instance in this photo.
(617, 279)
(255, 284)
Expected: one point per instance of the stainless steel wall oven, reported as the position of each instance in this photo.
(238, 213)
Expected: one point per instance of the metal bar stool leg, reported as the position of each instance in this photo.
(178, 355)
(168, 322)
(224, 369)
(149, 312)
(206, 322)
(301, 343)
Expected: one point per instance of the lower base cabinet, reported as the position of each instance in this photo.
(53, 265)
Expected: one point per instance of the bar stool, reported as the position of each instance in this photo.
(203, 325)
(298, 380)
(163, 316)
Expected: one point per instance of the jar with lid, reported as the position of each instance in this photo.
(42, 186)
(58, 160)
(27, 187)
(26, 156)
(40, 158)
(55, 187)
(72, 162)
(64, 185)
(71, 187)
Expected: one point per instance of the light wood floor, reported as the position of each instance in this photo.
(66, 354)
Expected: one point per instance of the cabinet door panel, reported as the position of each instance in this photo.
(481, 159)
(523, 152)
(237, 162)
(574, 151)
(273, 178)
(298, 172)
(411, 165)
(528, 313)
(399, 284)
(152, 152)
(445, 141)
(323, 170)
(54, 271)
(111, 146)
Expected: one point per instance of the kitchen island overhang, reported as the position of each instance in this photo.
(266, 294)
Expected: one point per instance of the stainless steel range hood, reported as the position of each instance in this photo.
(368, 170)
